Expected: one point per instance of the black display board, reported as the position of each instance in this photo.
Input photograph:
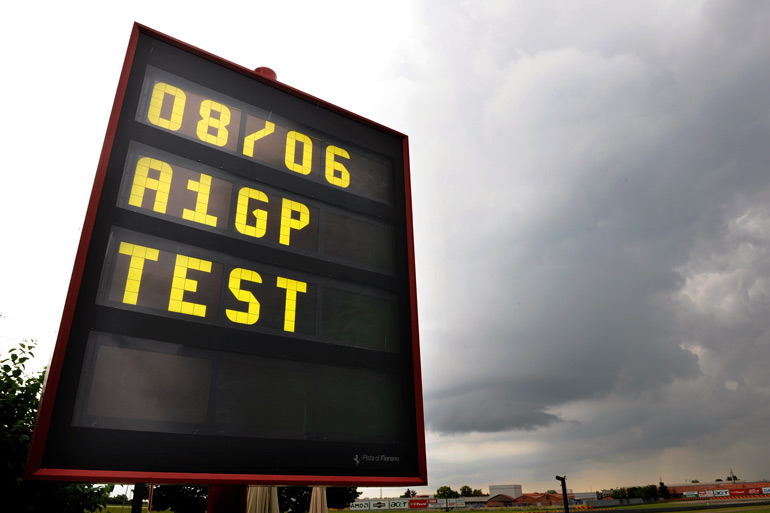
(243, 304)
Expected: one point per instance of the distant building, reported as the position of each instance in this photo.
(581, 497)
(511, 490)
(476, 502)
(500, 500)
(719, 489)
(540, 499)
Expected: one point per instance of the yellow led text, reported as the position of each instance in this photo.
(135, 267)
(336, 173)
(169, 105)
(288, 222)
(242, 214)
(292, 287)
(252, 315)
(142, 182)
(179, 98)
(199, 215)
(219, 123)
(248, 142)
(177, 282)
(182, 283)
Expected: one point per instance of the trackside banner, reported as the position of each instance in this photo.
(405, 504)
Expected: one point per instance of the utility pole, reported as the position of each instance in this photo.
(564, 492)
(136, 502)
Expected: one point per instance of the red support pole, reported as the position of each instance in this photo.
(227, 499)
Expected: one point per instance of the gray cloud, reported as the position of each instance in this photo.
(605, 191)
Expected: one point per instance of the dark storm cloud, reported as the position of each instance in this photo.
(595, 178)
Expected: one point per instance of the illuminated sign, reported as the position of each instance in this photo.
(244, 284)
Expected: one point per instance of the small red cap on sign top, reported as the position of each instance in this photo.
(266, 72)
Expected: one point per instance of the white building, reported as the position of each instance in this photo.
(511, 490)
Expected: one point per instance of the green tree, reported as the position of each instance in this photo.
(619, 494)
(120, 499)
(340, 497)
(550, 491)
(662, 490)
(409, 493)
(477, 493)
(695, 481)
(649, 493)
(466, 491)
(19, 398)
(732, 478)
(296, 499)
(717, 480)
(445, 492)
(180, 498)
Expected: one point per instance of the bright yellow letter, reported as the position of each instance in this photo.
(250, 317)
(181, 283)
(161, 186)
(288, 223)
(199, 215)
(241, 213)
(292, 287)
(343, 180)
(248, 142)
(291, 150)
(220, 123)
(138, 255)
(159, 93)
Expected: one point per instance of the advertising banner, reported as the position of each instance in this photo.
(689, 495)
(359, 506)
(737, 492)
(754, 491)
(398, 504)
(436, 503)
(706, 493)
(456, 503)
(379, 504)
(418, 503)
(721, 493)
(766, 490)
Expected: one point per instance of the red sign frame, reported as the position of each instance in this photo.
(62, 359)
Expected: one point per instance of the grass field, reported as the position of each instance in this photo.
(707, 505)
(738, 508)
(126, 509)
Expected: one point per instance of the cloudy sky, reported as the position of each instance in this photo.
(591, 187)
